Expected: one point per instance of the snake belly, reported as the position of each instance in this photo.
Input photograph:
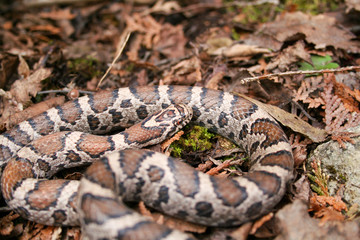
(180, 191)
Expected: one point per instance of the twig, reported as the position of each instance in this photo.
(63, 91)
(303, 111)
(292, 73)
(116, 58)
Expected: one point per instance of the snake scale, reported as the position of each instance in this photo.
(161, 182)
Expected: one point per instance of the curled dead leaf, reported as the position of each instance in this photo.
(243, 50)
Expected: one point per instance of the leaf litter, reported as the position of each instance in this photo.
(213, 44)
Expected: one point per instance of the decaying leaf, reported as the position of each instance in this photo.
(226, 47)
(23, 68)
(185, 72)
(163, 7)
(23, 89)
(8, 63)
(289, 56)
(20, 93)
(316, 30)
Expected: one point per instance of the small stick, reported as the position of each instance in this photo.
(291, 73)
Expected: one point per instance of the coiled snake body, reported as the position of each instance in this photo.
(162, 183)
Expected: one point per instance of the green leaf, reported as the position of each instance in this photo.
(319, 63)
(304, 66)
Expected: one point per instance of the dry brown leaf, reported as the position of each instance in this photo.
(288, 56)
(299, 148)
(292, 121)
(172, 41)
(147, 26)
(23, 68)
(302, 189)
(21, 92)
(163, 7)
(22, 89)
(134, 47)
(243, 50)
(8, 63)
(295, 223)
(224, 46)
(321, 30)
(186, 72)
(217, 44)
(214, 81)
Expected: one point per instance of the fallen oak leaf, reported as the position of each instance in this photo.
(22, 89)
(321, 30)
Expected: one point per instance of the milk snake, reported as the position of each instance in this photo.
(161, 182)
